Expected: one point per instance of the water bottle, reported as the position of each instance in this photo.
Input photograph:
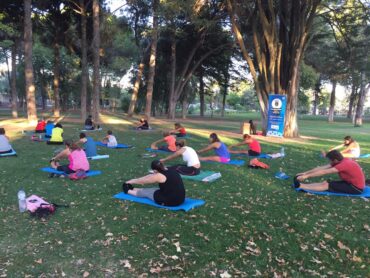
(282, 151)
(212, 177)
(22, 200)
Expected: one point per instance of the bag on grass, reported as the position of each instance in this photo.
(78, 175)
(255, 163)
(37, 206)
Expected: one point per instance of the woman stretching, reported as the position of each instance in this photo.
(254, 146)
(56, 135)
(179, 130)
(171, 190)
(142, 125)
(222, 154)
(351, 148)
(5, 147)
(170, 141)
(76, 156)
(189, 155)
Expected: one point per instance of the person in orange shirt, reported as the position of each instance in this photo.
(169, 140)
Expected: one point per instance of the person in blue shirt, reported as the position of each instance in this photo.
(48, 129)
(88, 145)
(221, 152)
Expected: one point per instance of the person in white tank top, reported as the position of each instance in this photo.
(189, 156)
(5, 147)
(351, 148)
(110, 139)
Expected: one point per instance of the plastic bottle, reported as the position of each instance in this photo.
(282, 151)
(22, 200)
(212, 177)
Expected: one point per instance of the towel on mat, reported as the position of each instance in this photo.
(365, 193)
(119, 146)
(156, 151)
(202, 175)
(89, 173)
(186, 206)
(13, 153)
(96, 157)
(231, 162)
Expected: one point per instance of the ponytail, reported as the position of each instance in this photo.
(214, 137)
(158, 166)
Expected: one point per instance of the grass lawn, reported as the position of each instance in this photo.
(251, 225)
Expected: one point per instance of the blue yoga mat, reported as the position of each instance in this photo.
(13, 153)
(365, 193)
(367, 155)
(119, 146)
(186, 206)
(262, 155)
(96, 157)
(156, 151)
(89, 173)
(231, 162)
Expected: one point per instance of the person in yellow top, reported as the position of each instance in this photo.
(56, 135)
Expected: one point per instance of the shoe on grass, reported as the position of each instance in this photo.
(126, 187)
(296, 182)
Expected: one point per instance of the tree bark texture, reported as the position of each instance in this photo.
(352, 98)
(361, 100)
(279, 34)
(135, 91)
(172, 96)
(316, 94)
(96, 63)
(153, 54)
(56, 79)
(29, 79)
(13, 85)
(332, 103)
(84, 70)
(201, 94)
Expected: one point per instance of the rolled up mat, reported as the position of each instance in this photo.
(89, 173)
(187, 205)
(13, 153)
(231, 162)
(364, 194)
(96, 157)
(91, 130)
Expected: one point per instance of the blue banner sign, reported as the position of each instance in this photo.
(276, 115)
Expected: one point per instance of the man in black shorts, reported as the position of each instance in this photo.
(352, 177)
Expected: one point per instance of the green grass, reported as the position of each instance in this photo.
(251, 224)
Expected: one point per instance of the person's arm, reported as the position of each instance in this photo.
(154, 144)
(318, 173)
(173, 156)
(148, 179)
(7, 137)
(237, 145)
(337, 147)
(209, 147)
(315, 169)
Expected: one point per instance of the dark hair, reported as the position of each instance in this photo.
(109, 132)
(58, 125)
(2, 131)
(89, 116)
(74, 147)
(50, 122)
(180, 143)
(178, 125)
(68, 143)
(165, 133)
(158, 166)
(82, 135)
(214, 137)
(246, 136)
(348, 138)
(334, 155)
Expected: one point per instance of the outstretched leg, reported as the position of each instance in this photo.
(143, 192)
(319, 186)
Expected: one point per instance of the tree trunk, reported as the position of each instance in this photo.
(56, 80)
(135, 91)
(361, 101)
(13, 87)
(96, 58)
(332, 103)
(172, 97)
(84, 70)
(153, 54)
(201, 94)
(316, 94)
(224, 94)
(30, 87)
(351, 101)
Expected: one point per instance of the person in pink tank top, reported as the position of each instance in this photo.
(254, 147)
(76, 156)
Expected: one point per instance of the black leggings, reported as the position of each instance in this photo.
(185, 170)
(343, 187)
(54, 143)
(10, 151)
(65, 169)
(253, 153)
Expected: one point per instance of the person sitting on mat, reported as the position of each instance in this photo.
(5, 146)
(254, 146)
(76, 156)
(171, 190)
(252, 128)
(110, 140)
(89, 145)
(89, 124)
(56, 135)
(49, 129)
(169, 139)
(143, 124)
(179, 130)
(351, 148)
(222, 154)
(189, 155)
(40, 127)
(352, 177)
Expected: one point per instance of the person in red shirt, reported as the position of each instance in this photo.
(170, 141)
(352, 177)
(179, 130)
(40, 128)
(254, 146)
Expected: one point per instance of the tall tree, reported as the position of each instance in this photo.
(30, 87)
(96, 60)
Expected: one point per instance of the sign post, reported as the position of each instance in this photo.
(276, 115)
